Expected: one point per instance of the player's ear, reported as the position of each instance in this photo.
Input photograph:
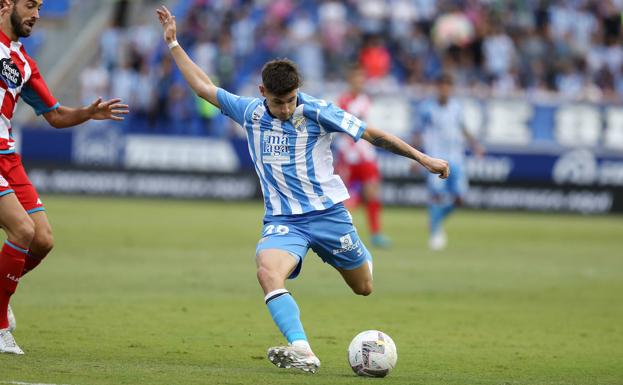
(262, 90)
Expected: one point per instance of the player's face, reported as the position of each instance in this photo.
(281, 106)
(24, 16)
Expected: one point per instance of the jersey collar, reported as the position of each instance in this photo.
(4, 39)
(298, 103)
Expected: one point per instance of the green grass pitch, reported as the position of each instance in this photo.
(164, 292)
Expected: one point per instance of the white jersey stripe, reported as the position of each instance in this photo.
(255, 140)
(5, 124)
(302, 171)
(27, 69)
(277, 172)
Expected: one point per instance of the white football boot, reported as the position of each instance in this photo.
(8, 344)
(291, 357)
(438, 241)
(11, 317)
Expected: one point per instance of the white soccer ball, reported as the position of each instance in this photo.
(372, 353)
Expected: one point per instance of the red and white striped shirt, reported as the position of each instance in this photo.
(350, 151)
(19, 76)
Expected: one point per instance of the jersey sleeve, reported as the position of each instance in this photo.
(232, 105)
(36, 93)
(335, 119)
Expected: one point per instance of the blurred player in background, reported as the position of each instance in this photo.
(22, 215)
(289, 135)
(356, 160)
(441, 132)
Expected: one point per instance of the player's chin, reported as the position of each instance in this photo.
(26, 31)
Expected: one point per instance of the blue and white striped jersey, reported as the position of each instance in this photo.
(293, 158)
(441, 127)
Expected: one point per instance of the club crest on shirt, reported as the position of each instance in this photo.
(299, 123)
(275, 147)
(3, 182)
(10, 74)
(256, 116)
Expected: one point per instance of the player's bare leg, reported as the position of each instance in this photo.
(20, 230)
(359, 279)
(371, 192)
(273, 268)
(11, 317)
(42, 243)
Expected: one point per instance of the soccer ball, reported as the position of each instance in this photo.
(372, 353)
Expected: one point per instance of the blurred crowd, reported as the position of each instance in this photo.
(566, 49)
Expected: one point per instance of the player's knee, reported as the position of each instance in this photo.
(266, 275)
(23, 232)
(364, 288)
(43, 243)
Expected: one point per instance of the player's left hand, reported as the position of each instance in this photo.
(108, 110)
(167, 20)
(437, 166)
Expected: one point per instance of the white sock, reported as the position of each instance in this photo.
(301, 344)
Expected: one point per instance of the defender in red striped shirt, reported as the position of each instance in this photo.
(22, 215)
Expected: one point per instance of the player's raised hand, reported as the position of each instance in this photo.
(167, 20)
(437, 166)
(5, 6)
(108, 110)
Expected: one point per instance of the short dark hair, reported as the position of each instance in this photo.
(280, 76)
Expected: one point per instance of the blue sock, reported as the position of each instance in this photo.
(447, 209)
(438, 213)
(285, 313)
(435, 213)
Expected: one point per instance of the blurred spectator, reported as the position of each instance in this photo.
(375, 58)
(94, 82)
(554, 48)
(499, 52)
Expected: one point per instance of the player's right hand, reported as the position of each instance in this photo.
(437, 166)
(167, 20)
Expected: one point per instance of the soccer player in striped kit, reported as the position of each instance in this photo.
(441, 131)
(289, 135)
(22, 215)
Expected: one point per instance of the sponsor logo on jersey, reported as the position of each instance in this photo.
(10, 74)
(275, 148)
(3, 182)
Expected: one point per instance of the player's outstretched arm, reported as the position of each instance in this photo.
(476, 147)
(198, 80)
(63, 117)
(396, 145)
